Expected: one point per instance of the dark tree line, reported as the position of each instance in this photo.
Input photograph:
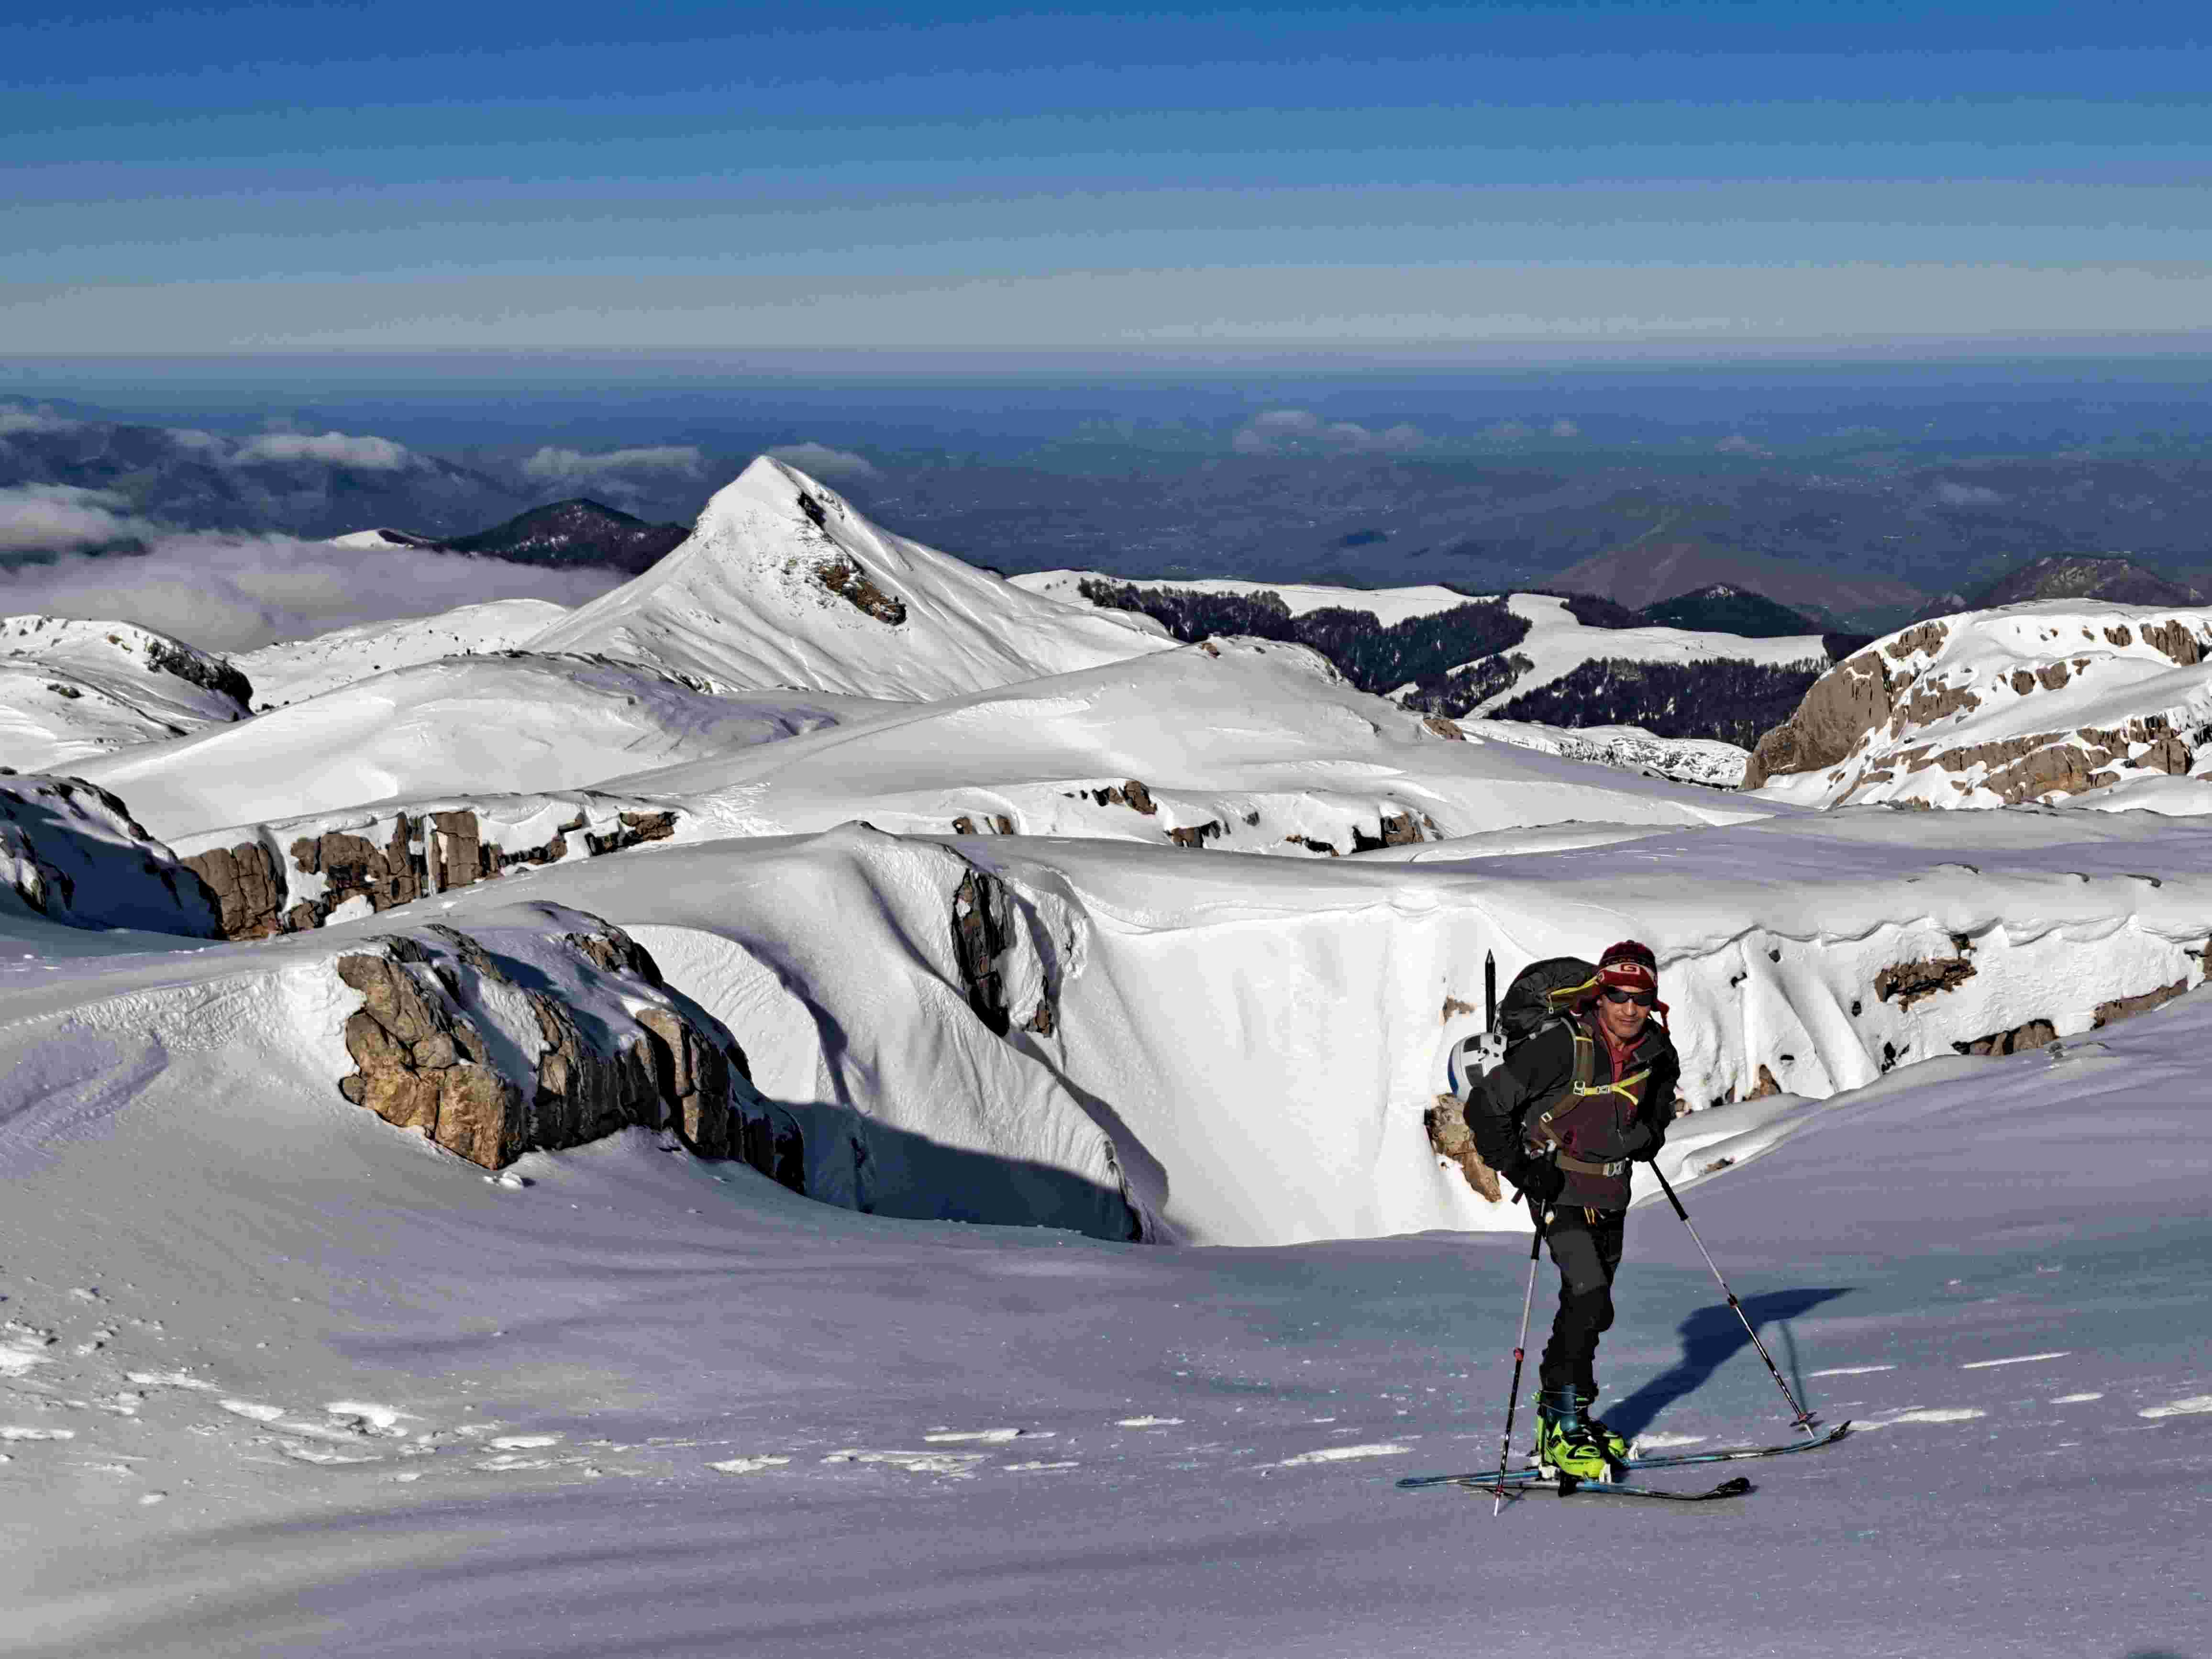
(1734, 701)
(1421, 650)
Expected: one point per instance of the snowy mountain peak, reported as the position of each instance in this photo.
(783, 582)
(70, 690)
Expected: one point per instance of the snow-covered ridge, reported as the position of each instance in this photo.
(2032, 702)
(299, 669)
(71, 690)
(1556, 645)
(783, 583)
(1233, 745)
(503, 724)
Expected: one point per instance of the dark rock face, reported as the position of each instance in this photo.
(425, 852)
(423, 1059)
(2075, 576)
(982, 924)
(578, 531)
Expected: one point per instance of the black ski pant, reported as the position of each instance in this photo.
(1586, 1246)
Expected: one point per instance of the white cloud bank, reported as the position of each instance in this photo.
(1965, 494)
(820, 461)
(42, 517)
(1300, 431)
(573, 467)
(228, 592)
(333, 448)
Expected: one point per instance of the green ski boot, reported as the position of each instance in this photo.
(1563, 1442)
(1618, 1447)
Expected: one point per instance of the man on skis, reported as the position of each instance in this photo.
(1562, 1118)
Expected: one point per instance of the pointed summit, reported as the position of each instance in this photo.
(782, 583)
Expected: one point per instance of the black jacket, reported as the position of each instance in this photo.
(1536, 1075)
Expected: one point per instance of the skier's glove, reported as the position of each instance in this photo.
(1538, 1178)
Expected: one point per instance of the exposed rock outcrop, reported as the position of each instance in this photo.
(1990, 709)
(1909, 982)
(390, 860)
(1453, 1141)
(435, 1047)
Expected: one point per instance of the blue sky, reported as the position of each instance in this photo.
(1713, 177)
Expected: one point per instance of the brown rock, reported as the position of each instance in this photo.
(2032, 1035)
(1438, 726)
(2125, 1007)
(1449, 1136)
(1841, 706)
(2176, 640)
(1196, 834)
(1912, 981)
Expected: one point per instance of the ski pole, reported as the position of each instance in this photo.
(1803, 1418)
(1513, 1400)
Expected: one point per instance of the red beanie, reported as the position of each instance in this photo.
(1629, 965)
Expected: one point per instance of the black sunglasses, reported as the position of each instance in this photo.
(1641, 998)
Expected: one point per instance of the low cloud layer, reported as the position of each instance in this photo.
(332, 449)
(574, 469)
(49, 517)
(820, 461)
(229, 592)
(1965, 494)
(1300, 431)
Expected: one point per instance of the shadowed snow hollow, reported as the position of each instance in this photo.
(781, 583)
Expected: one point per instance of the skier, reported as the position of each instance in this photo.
(1562, 1118)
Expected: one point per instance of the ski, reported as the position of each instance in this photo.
(1684, 1459)
(1487, 1486)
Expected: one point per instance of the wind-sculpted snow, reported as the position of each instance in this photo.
(501, 724)
(782, 583)
(1249, 1047)
(71, 692)
(2060, 700)
(1239, 745)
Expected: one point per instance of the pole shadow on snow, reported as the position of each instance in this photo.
(1710, 1337)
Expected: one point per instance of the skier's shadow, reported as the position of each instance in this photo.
(1710, 1337)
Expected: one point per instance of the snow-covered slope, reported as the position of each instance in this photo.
(781, 583)
(316, 1393)
(1388, 605)
(299, 669)
(1240, 745)
(1556, 645)
(497, 724)
(2030, 703)
(1687, 760)
(71, 690)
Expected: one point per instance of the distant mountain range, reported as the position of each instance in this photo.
(2073, 577)
(580, 532)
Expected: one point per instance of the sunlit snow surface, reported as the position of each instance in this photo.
(276, 1378)
(650, 1406)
